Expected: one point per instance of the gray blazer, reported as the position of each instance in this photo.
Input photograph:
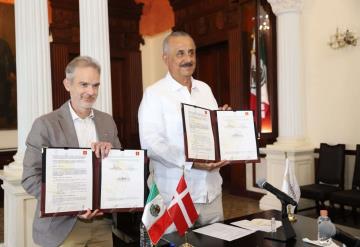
(57, 129)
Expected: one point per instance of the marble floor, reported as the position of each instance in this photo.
(234, 206)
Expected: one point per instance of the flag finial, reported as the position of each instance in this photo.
(186, 244)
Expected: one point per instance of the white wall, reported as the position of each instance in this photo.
(153, 68)
(8, 139)
(332, 77)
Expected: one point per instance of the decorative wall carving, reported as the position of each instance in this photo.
(220, 20)
(283, 6)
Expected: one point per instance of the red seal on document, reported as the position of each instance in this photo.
(84, 152)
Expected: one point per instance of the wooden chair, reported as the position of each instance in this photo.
(350, 197)
(329, 176)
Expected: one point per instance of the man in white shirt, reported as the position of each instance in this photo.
(74, 124)
(161, 130)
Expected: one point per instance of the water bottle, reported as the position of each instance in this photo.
(144, 237)
(323, 239)
(273, 225)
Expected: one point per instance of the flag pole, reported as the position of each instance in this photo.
(291, 216)
(186, 244)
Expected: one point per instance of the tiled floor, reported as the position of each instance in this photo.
(235, 206)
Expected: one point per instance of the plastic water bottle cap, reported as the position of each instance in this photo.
(323, 213)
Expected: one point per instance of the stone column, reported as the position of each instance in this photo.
(94, 42)
(290, 82)
(33, 99)
(291, 142)
(32, 71)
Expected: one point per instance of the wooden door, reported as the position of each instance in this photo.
(213, 68)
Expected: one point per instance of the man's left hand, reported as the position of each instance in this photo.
(89, 215)
(101, 149)
(210, 166)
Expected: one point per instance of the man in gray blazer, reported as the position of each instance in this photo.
(74, 124)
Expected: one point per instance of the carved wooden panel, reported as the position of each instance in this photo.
(126, 96)
(213, 68)
(6, 157)
(65, 27)
(60, 54)
(134, 94)
(125, 59)
(124, 19)
(236, 77)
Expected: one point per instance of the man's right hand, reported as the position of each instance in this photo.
(210, 166)
(101, 149)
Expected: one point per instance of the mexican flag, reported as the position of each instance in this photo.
(156, 218)
(266, 125)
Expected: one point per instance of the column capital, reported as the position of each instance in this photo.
(284, 6)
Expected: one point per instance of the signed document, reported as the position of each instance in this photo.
(214, 135)
(199, 134)
(74, 180)
(122, 179)
(69, 179)
(223, 231)
(237, 139)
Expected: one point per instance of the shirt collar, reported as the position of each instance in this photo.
(175, 85)
(75, 116)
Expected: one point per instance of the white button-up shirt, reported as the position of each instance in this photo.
(161, 133)
(85, 128)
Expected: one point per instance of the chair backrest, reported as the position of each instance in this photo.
(356, 177)
(331, 164)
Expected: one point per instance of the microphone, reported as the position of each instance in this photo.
(278, 193)
(328, 230)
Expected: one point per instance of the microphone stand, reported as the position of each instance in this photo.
(286, 233)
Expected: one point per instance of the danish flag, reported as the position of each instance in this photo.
(182, 209)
